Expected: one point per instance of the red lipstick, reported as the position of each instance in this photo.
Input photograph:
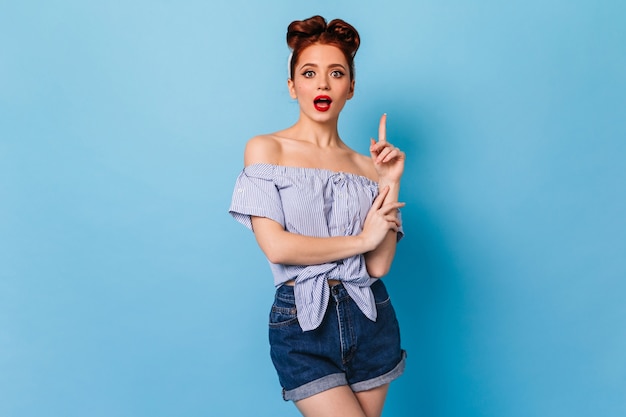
(322, 103)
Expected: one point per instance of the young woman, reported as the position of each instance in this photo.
(327, 218)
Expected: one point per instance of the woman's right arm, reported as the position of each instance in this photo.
(283, 247)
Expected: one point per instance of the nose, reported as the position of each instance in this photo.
(323, 84)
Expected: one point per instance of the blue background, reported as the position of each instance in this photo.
(127, 290)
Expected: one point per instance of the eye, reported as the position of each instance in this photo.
(308, 74)
(337, 74)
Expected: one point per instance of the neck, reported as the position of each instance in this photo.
(321, 134)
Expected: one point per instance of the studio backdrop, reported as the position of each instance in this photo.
(126, 289)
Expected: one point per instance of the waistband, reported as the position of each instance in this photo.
(331, 282)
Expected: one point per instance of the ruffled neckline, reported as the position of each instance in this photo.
(286, 169)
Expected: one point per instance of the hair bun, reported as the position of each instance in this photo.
(346, 33)
(300, 30)
(312, 29)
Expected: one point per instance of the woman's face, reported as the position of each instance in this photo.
(321, 82)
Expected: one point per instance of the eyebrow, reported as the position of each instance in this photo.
(317, 66)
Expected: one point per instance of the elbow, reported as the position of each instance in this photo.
(271, 248)
(274, 258)
(378, 271)
(273, 255)
(276, 253)
(378, 266)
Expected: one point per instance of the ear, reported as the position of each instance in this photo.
(292, 89)
(351, 92)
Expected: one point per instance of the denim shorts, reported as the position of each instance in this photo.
(346, 349)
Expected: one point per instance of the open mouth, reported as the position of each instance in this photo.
(322, 103)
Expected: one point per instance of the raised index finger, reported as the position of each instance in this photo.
(382, 128)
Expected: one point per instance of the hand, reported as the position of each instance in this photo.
(381, 218)
(388, 160)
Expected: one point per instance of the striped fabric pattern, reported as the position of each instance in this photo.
(312, 202)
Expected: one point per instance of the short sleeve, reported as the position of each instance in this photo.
(256, 194)
(400, 233)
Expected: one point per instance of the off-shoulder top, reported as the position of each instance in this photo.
(313, 202)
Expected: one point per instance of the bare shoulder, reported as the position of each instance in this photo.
(262, 149)
(366, 166)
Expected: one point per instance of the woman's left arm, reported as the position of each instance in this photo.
(389, 164)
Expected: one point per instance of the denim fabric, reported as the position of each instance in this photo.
(346, 349)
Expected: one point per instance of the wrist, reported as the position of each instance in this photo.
(364, 244)
(393, 184)
(394, 190)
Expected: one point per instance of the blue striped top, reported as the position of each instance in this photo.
(313, 202)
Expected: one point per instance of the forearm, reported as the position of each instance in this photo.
(394, 190)
(282, 247)
(379, 260)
